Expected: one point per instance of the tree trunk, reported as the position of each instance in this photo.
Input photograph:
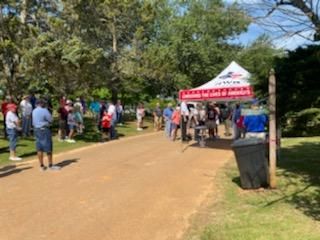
(23, 13)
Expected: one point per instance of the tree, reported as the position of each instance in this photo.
(20, 22)
(297, 80)
(192, 45)
(291, 17)
(258, 58)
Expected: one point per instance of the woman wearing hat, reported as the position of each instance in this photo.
(12, 126)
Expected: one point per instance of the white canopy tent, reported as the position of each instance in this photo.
(231, 84)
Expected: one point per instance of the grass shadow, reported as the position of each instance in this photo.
(300, 164)
(28, 154)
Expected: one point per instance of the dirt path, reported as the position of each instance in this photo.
(140, 188)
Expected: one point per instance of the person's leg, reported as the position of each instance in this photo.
(49, 155)
(167, 128)
(184, 130)
(71, 132)
(159, 123)
(5, 127)
(29, 126)
(120, 119)
(24, 126)
(13, 137)
(40, 158)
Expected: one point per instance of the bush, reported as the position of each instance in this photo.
(304, 123)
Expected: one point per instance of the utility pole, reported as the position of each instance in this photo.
(272, 129)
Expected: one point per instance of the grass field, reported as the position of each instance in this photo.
(26, 146)
(291, 212)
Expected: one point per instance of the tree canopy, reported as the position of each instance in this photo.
(129, 47)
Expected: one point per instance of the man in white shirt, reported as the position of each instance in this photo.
(113, 116)
(26, 112)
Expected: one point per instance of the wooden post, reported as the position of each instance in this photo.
(272, 129)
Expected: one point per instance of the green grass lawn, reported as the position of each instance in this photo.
(26, 147)
(291, 212)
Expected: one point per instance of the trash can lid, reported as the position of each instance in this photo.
(247, 142)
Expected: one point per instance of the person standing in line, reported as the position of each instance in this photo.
(157, 117)
(113, 120)
(12, 127)
(33, 100)
(4, 111)
(211, 120)
(41, 121)
(119, 110)
(102, 108)
(227, 116)
(140, 115)
(175, 118)
(105, 126)
(63, 118)
(95, 110)
(78, 111)
(184, 120)
(72, 125)
(255, 123)
(236, 114)
(167, 114)
(84, 105)
(217, 110)
(196, 121)
(26, 112)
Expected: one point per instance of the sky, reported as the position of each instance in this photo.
(255, 31)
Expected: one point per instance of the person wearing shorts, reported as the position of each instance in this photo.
(41, 120)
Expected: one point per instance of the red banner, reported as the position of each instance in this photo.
(216, 93)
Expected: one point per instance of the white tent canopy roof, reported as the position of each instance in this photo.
(232, 76)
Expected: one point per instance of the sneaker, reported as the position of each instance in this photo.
(43, 168)
(70, 141)
(139, 129)
(15, 158)
(54, 168)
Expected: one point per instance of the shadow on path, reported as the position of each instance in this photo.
(67, 162)
(9, 170)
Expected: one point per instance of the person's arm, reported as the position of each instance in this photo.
(48, 117)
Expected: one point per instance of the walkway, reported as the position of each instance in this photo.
(139, 188)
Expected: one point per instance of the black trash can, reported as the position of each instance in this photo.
(252, 163)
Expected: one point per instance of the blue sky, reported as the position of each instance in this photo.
(255, 31)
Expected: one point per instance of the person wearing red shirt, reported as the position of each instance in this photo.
(8, 101)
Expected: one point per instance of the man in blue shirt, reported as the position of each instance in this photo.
(167, 114)
(255, 123)
(41, 120)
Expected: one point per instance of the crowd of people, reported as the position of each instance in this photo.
(196, 120)
(33, 116)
